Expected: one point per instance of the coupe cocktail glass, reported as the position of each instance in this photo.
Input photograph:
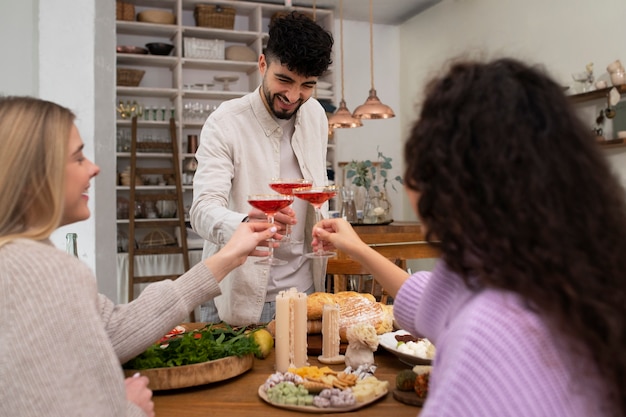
(317, 196)
(286, 186)
(270, 204)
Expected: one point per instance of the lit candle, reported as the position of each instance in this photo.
(330, 335)
(291, 337)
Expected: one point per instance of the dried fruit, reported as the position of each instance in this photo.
(405, 380)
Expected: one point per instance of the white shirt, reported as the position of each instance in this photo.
(239, 152)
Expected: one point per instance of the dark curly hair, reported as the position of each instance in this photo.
(519, 197)
(300, 43)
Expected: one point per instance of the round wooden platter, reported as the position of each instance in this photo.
(408, 397)
(197, 374)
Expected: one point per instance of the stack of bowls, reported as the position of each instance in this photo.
(617, 73)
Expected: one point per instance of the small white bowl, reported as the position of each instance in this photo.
(621, 134)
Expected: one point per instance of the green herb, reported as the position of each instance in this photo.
(206, 344)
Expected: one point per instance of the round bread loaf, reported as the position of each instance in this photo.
(315, 304)
(354, 308)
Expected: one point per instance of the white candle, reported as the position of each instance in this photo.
(330, 335)
(299, 330)
(291, 337)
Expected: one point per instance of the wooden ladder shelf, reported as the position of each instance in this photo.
(143, 196)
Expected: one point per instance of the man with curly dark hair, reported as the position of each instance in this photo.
(277, 131)
(527, 304)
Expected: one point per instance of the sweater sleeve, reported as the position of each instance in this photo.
(161, 306)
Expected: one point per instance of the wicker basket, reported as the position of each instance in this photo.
(203, 48)
(127, 77)
(280, 14)
(157, 238)
(220, 17)
(124, 11)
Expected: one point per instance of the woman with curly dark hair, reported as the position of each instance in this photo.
(527, 304)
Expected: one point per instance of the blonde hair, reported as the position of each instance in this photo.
(34, 136)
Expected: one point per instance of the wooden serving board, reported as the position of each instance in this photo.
(197, 374)
(408, 397)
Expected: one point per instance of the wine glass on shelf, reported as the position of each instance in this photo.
(286, 186)
(317, 196)
(270, 204)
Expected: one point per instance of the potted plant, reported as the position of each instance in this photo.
(373, 177)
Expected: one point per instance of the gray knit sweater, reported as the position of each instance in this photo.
(61, 343)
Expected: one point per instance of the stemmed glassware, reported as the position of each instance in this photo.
(317, 196)
(286, 186)
(270, 204)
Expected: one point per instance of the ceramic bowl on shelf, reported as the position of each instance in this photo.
(160, 48)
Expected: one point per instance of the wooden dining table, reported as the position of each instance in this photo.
(238, 397)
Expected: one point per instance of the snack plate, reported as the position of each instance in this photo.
(389, 342)
(318, 410)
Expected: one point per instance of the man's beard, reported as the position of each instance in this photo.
(280, 114)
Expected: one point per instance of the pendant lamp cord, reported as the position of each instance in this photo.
(341, 46)
(372, 43)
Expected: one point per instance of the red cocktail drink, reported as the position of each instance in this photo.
(317, 196)
(286, 186)
(270, 204)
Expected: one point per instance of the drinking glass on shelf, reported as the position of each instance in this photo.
(286, 186)
(317, 196)
(270, 204)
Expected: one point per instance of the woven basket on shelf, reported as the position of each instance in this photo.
(220, 17)
(124, 11)
(157, 238)
(129, 77)
(280, 14)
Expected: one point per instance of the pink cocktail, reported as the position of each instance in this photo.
(317, 196)
(270, 204)
(286, 186)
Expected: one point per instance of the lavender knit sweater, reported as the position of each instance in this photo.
(494, 357)
(61, 343)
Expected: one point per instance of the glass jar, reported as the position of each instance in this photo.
(377, 208)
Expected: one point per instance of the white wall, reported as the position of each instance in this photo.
(362, 143)
(563, 35)
(18, 21)
(66, 55)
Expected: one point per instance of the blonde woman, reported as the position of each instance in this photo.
(62, 342)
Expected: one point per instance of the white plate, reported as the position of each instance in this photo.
(389, 342)
(318, 410)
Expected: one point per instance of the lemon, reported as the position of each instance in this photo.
(265, 340)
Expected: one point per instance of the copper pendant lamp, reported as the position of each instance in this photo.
(342, 118)
(373, 108)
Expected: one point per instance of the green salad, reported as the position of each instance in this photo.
(206, 344)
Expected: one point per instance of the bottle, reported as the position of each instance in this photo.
(348, 207)
(71, 244)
